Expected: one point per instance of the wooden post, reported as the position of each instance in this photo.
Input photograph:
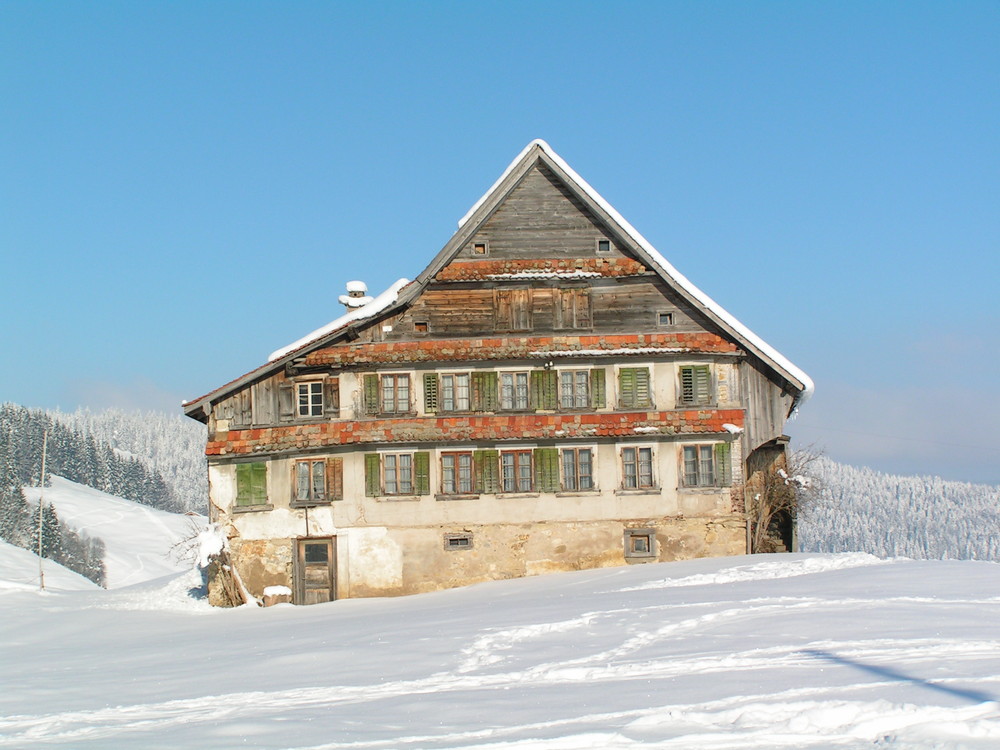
(41, 500)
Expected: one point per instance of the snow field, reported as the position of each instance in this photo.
(792, 651)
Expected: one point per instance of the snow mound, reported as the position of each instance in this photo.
(784, 567)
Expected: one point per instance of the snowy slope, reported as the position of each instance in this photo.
(138, 538)
(19, 572)
(765, 652)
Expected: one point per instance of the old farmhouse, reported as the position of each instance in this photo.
(549, 394)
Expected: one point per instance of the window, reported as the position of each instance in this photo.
(514, 390)
(633, 388)
(516, 471)
(637, 468)
(455, 392)
(397, 474)
(512, 309)
(317, 481)
(462, 391)
(577, 469)
(454, 542)
(251, 484)
(480, 248)
(388, 394)
(664, 319)
(604, 246)
(571, 308)
(310, 399)
(640, 543)
(420, 326)
(695, 385)
(456, 473)
(707, 465)
(573, 389)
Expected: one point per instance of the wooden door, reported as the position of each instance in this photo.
(315, 571)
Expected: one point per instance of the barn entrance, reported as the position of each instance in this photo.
(315, 570)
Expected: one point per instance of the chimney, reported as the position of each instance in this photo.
(357, 295)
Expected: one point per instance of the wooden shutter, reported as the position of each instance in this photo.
(422, 472)
(626, 386)
(520, 309)
(503, 318)
(335, 478)
(582, 309)
(598, 391)
(430, 393)
(286, 402)
(257, 473)
(331, 397)
(696, 384)
(487, 471)
(243, 484)
(546, 469)
(544, 389)
(642, 394)
(373, 478)
(484, 391)
(371, 393)
(723, 464)
(703, 385)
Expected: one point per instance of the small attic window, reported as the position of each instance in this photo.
(604, 246)
(420, 326)
(664, 319)
(480, 248)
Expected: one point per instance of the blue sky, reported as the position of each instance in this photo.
(185, 187)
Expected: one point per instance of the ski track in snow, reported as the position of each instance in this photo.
(766, 691)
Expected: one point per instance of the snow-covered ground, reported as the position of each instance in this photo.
(793, 651)
(138, 539)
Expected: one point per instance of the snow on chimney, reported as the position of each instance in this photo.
(357, 295)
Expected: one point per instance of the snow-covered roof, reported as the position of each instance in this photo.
(664, 266)
(374, 307)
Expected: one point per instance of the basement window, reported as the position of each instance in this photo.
(454, 542)
(640, 544)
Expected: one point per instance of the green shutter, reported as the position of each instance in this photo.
(430, 393)
(546, 469)
(373, 479)
(258, 483)
(371, 394)
(642, 395)
(626, 387)
(484, 391)
(598, 397)
(243, 484)
(487, 471)
(422, 472)
(544, 389)
(723, 464)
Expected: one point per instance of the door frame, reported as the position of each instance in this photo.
(299, 565)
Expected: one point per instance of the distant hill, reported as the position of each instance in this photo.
(138, 540)
(19, 571)
(862, 510)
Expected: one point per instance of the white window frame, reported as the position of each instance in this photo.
(312, 405)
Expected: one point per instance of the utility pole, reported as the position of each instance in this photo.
(41, 500)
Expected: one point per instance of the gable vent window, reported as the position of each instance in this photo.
(604, 246)
(480, 248)
(664, 319)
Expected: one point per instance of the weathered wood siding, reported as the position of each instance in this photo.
(540, 218)
(766, 402)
